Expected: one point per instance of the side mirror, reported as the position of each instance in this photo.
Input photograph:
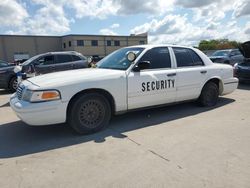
(142, 65)
(131, 56)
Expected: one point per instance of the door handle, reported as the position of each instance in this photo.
(172, 74)
(203, 72)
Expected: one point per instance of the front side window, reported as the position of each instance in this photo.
(118, 59)
(63, 58)
(158, 57)
(186, 57)
(46, 60)
(76, 58)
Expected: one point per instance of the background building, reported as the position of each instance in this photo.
(15, 47)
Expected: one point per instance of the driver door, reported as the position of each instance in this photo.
(45, 64)
(155, 85)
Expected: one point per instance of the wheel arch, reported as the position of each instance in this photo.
(103, 92)
(218, 82)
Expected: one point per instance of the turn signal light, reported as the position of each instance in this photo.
(47, 95)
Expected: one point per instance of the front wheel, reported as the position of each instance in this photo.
(13, 84)
(209, 95)
(89, 113)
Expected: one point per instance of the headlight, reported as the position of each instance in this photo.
(40, 96)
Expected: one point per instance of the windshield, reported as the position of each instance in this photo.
(221, 53)
(118, 59)
(30, 60)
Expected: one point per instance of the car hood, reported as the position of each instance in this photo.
(245, 49)
(244, 65)
(8, 68)
(71, 77)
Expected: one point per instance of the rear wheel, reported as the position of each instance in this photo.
(89, 113)
(13, 84)
(209, 95)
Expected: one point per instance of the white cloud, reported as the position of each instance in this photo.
(170, 24)
(211, 19)
(242, 8)
(49, 19)
(155, 7)
(194, 3)
(116, 25)
(94, 8)
(177, 29)
(107, 32)
(103, 8)
(12, 13)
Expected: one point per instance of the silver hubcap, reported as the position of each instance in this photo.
(15, 84)
(92, 113)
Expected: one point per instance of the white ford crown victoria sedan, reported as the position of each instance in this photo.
(128, 79)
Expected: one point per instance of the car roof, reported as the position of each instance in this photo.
(64, 52)
(158, 45)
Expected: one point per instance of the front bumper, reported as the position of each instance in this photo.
(44, 113)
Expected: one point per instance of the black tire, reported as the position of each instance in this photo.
(13, 84)
(209, 95)
(89, 113)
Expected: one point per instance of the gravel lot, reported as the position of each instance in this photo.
(177, 146)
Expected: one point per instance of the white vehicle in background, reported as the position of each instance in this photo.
(128, 79)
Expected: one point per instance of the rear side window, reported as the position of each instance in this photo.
(159, 58)
(63, 58)
(76, 58)
(196, 58)
(186, 57)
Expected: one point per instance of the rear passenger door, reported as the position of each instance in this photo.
(191, 73)
(153, 86)
(63, 62)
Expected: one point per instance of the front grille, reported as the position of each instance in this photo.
(19, 91)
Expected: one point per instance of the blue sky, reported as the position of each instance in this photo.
(174, 21)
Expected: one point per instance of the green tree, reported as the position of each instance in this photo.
(217, 44)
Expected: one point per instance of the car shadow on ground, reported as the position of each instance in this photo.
(5, 105)
(18, 139)
(244, 86)
(4, 92)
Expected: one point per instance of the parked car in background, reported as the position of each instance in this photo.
(230, 56)
(42, 64)
(242, 70)
(4, 64)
